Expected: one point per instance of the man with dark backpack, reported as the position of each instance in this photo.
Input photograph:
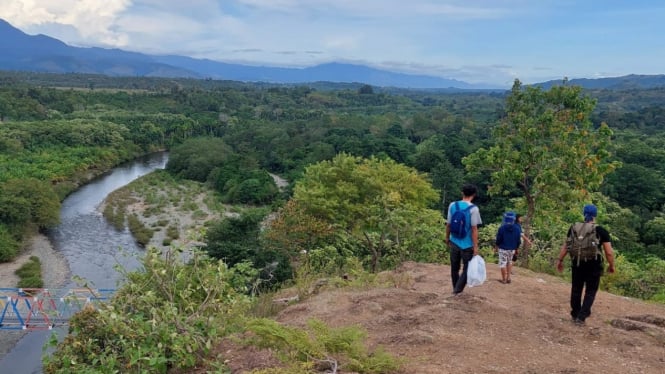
(584, 242)
(462, 235)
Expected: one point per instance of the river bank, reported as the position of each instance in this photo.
(55, 272)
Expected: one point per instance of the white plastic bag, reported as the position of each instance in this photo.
(476, 274)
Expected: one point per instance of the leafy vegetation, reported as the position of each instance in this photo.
(30, 274)
(321, 348)
(166, 316)
(369, 172)
(546, 151)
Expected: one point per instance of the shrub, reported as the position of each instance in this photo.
(8, 245)
(141, 233)
(168, 315)
(30, 274)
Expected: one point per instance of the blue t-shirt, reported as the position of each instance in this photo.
(474, 213)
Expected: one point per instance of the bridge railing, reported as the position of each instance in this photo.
(44, 308)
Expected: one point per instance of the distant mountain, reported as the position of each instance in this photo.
(625, 82)
(42, 53)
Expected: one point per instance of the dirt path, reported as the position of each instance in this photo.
(522, 327)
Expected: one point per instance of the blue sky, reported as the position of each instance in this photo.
(477, 41)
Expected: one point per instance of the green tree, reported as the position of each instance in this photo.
(236, 239)
(636, 186)
(197, 157)
(377, 202)
(29, 200)
(548, 148)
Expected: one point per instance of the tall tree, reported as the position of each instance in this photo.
(548, 149)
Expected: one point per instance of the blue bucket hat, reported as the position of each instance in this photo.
(509, 217)
(590, 211)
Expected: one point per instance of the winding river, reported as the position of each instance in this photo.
(91, 246)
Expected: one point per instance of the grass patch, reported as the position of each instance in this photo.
(322, 347)
(30, 274)
(172, 232)
(199, 215)
(141, 233)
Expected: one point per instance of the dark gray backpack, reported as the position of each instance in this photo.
(583, 243)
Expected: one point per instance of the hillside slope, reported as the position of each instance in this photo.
(522, 327)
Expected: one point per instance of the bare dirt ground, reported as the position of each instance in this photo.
(522, 327)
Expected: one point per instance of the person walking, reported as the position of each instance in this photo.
(462, 223)
(584, 243)
(508, 240)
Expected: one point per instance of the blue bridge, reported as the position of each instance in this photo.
(44, 308)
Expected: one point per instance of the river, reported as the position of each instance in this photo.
(92, 248)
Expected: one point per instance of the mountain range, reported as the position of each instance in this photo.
(41, 53)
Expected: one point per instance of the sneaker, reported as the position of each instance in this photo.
(508, 281)
(578, 322)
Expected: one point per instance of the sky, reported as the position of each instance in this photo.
(476, 41)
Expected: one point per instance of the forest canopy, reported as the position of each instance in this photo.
(387, 162)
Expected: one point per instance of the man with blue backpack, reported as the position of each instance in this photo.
(462, 235)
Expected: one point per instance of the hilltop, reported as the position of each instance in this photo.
(522, 327)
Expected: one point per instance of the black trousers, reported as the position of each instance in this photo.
(459, 257)
(586, 280)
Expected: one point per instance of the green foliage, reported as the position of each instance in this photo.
(236, 240)
(251, 187)
(240, 180)
(637, 186)
(381, 205)
(30, 274)
(24, 201)
(63, 137)
(196, 158)
(9, 246)
(645, 280)
(172, 232)
(139, 231)
(167, 316)
(114, 215)
(322, 348)
(548, 148)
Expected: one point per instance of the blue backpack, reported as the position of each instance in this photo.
(459, 221)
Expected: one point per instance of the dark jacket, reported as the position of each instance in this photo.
(509, 236)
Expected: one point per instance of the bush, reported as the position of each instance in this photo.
(8, 245)
(141, 233)
(168, 315)
(30, 274)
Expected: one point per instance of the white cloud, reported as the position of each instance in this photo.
(93, 19)
(383, 8)
(480, 40)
